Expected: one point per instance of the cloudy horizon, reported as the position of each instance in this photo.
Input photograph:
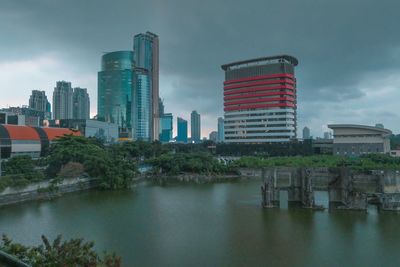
(348, 72)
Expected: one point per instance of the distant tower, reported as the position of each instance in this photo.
(166, 126)
(220, 130)
(182, 130)
(195, 126)
(142, 118)
(379, 125)
(213, 136)
(62, 101)
(146, 51)
(306, 133)
(38, 101)
(81, 103)
(327, 135)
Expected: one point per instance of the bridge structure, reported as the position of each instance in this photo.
(347, 189)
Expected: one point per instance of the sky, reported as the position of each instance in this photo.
(348, 51)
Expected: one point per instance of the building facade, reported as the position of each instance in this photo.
(166, 127)
(306, 133)
(195, 127)
(220, 138)
(38, 101)
(142, 116)
(356, 140)
(213, 136)
(62, 101)
(146, 56)
(260, 100)
(81, 104)
(114, 89)
(182, 126)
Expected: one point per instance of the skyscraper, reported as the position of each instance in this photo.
(81, 103)
(142, 104)
(260, 100)
(146, 55)
(38, 101)
(62, 101)
(195, 126)
(166, 126)
(160, 107)
(220, 137)
(114, 86)
(306, 133)
(182, 130)
(213, 136)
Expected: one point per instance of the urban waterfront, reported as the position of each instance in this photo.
(209, 225)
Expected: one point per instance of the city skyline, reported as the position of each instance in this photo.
(343, 77)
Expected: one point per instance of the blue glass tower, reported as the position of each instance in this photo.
(142, 104)
(182, 130)
(166, 125)
(115, 89)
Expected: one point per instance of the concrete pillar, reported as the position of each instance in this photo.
(269, 191)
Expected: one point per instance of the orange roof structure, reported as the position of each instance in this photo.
(18, 132)
(54, 133)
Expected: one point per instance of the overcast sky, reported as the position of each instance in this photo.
(348, 51)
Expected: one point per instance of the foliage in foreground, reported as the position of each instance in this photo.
(74, 252)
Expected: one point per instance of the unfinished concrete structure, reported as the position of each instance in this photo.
(347, 189)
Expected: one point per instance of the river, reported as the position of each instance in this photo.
(209, 225)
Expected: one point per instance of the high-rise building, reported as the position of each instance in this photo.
(166, 127)
(195, 127)
(81, 103)
(62, 101)
(260, 100)
(160, 107)
(327, 135)
(213, 136)
(114, 86)
(38, 101)
(182, 130)
(306, 133)
(142, 120)
(146, 53)
(220, 138)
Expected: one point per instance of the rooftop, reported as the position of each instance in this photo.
(291, 59)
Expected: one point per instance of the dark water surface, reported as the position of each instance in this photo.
(209, 225)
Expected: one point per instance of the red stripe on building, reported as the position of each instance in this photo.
(254, 84)
(279, 75)
(257, 95)
(259, 100)
(254, 89)
(288, 105)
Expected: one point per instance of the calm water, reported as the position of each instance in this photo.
(209, 225)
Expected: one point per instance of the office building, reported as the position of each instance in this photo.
(220, 138)
(81, 104)
(146, 56)
(182, 126)
(142, 117)
(38, 101)
(62, 101)
(213, 136)
(327, 135)
(195, 127)
(23, 116)
(166, 127)
(114, 89)
(355, 140)
(160, 107)
(306, 133)
(260, 100)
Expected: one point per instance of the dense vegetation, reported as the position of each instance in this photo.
(74, 252)
(365, 162)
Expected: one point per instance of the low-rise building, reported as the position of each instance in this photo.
(355, 140)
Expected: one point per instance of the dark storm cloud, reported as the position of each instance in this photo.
(337, 44)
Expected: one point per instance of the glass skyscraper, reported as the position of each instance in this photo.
(195, 126)
(142, 104)
(115, 89)
(38, 101)
(166, 125)
(145, 47)
(182, 130)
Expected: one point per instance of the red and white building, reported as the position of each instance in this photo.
(260, 100)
